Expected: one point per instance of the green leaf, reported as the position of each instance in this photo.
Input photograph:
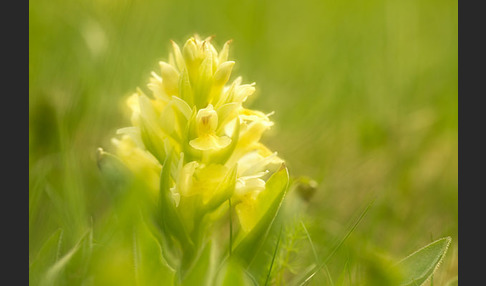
(57, 268)
(78, 266)
(419, 266)
(171, 220)
(47, 255)
(269, 202)
(151, 266)
(453, 282)
(168, 251)
(233, 274)
(200, 272)
(267, 280)
(312, 271)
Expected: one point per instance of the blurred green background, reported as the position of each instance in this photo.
(364, 94)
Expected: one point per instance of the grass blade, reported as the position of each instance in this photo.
(318, 267)
(273, 258)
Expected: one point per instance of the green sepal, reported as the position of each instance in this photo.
(221, 156)
(174, 117)
(224, 190)
(185, 88)
(190, 153)
(204, 82)
(226, 113)
(221, 76)
(200, 271)
(170, 122)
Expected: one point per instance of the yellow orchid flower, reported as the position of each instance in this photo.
(207, 122)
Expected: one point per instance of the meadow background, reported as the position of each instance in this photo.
(364, 94)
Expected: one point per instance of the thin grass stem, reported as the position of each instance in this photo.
(274, 255)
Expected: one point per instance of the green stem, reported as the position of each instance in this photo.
(230, 229)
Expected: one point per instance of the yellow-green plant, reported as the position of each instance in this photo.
(197, 150)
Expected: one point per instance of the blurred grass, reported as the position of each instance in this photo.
(365, 95)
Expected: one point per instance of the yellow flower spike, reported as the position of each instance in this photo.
(195, 123)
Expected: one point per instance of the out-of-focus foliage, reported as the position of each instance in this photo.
(365, 95)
